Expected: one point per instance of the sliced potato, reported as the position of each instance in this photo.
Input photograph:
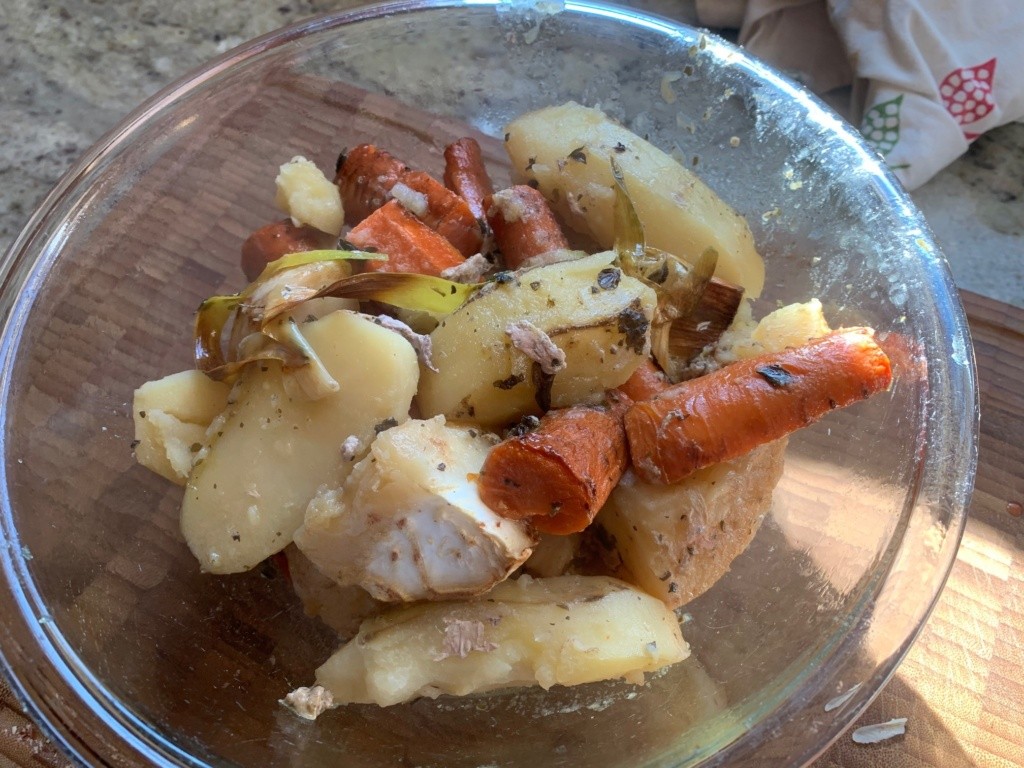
(603, 332)
(563, 631)
(309, 197)
(790, 326)
(677, 540)
(270, 452)
(342, 609)
(171, 416)
(567, 150)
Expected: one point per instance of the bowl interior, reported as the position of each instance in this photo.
(129, 653)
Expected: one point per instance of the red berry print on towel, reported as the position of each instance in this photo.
(881, 125)
(967, 92)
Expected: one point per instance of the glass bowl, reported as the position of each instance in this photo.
(127, 655)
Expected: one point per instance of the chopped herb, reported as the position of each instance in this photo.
(508, 136)
(388, 423)
(523, 427)
(142, 414)
(504, 278)
(673, 588)
(513, 380)
(195, 447)
(556, 507)
(579, 155)
(236, 537)
(441, 467)
(633, 324)
(135, 444)
(533, 183)
(619, 147)
(776, 376)
(608, 278)
(535, 284)
(530, 163)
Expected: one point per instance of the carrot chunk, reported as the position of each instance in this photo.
(727, 413)
(365, 178)
(647, 381)
(465, 174)
(411, 246)
(275, 240)
(561, 474)
(523, 225)
(445, 212)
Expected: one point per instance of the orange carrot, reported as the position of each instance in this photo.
(727, 413)
(561, 474)
(446, 213)
(465, 174)
(523, 224)
(411, 246)
(275, 240)
(647, 381)
(364, 178)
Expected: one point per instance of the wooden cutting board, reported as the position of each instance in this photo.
(962, 685)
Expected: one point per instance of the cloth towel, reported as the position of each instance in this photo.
(928, 76)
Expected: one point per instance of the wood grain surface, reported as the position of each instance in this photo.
(961, 685)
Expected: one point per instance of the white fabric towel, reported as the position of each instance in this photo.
(928, 76)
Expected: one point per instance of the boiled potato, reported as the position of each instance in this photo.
(563, 631)
(270, 452)
(677, 540)
(603, 332)
(171, 416)
(567, 151)
(309, 197)
(792, 325)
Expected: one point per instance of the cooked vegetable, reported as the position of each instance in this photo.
(308, 197)
(646, 382)
(552, 555)
(562, 631)
(566, 151)
(730, 411)
(465, 174)
(171, 416)
(444, 211)
(677, 540)
(275, 240)
(523, 225)
(343, 609)
(598, 317)
(410, 244)
(409, 523)
(269, 451)
(559, 475)
(365, 176)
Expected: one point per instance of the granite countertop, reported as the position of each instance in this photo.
(71, 70)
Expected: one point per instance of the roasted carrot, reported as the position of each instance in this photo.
(729, 412)
(444, 212)
(561, 474)
(523, 224)
(364, 178)
(275, 240)
(465, 174)
(410, 245)
(647, 381)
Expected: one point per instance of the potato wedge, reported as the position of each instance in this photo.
(171, 416)
(563, 631)
(677, 540)
(270, 452)
(567, 149)
(603, 332)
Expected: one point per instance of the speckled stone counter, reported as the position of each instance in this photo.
(71, 70)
